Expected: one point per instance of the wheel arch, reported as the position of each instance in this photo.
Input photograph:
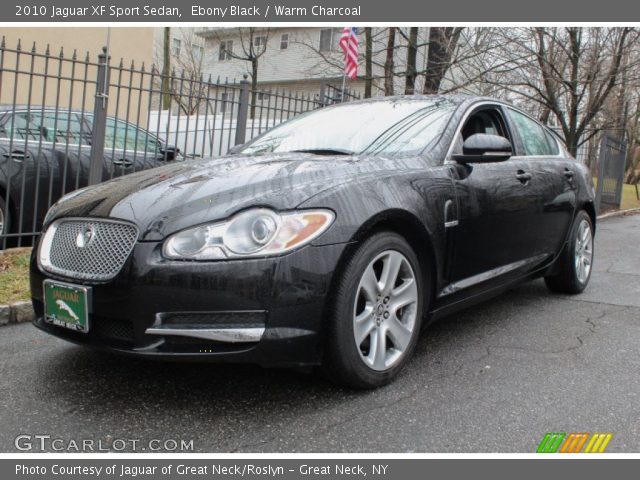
(590, 208)
(407, 225)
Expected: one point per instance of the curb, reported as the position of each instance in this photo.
(18, 312)
(619, 213)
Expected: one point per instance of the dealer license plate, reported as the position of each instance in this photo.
(67, 305)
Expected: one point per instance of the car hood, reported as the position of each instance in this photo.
(167, 199)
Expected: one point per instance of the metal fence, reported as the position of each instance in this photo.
(604, 152)
(68, 121)
(611, 167)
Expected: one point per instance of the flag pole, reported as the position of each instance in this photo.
(344, 73)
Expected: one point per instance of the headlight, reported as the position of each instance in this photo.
(253, 233)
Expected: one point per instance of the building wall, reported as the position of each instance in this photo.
(126, 43)
(301, 60)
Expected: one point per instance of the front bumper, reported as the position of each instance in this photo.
(265, 311)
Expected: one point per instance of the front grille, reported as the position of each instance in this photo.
(247, 318)
(111, 328)
(87, 249)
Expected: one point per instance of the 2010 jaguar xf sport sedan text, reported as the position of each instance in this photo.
(329, 240)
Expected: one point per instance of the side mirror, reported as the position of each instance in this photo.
(169, 152)
(235, 149)
(484, 148)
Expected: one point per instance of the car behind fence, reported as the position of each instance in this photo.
(68, 121)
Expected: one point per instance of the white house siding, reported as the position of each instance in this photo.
(301, 63)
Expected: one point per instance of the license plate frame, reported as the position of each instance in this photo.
(67, 305)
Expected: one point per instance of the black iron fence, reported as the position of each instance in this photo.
(605, 152)
(611, 167)
(68, 121)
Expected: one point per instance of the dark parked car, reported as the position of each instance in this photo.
(45, 153)
(329, 240)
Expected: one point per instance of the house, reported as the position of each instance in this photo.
(300, 59)
(64, 45)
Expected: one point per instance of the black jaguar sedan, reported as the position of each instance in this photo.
(330, 240)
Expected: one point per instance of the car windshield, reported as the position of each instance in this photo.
(387, 127)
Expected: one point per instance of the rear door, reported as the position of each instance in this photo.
(552, 183)
(130, 149)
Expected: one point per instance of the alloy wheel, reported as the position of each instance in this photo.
(583, 256)
(385, 310)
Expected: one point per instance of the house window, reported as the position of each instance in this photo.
(260, 41)
(284, 41)
(175, 46)
(329, 38)
(224, 104)
(262, 96)
(226, 48)
(197, 52)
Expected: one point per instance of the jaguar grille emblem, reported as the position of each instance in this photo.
(85, 237)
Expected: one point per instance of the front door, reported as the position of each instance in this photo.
(496, 210)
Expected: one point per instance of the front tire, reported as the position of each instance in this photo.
(576, 260)
(377, 312)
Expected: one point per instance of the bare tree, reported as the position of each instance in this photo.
(389, 62)
(181, 81)
(632, 173)
(253, 44)
(412, 55)
(166, 67)
(442, 45)
(368, 62)
(569, 73)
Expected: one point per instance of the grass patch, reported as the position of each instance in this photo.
(14, 275)
(629, 198)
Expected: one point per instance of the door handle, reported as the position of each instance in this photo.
(16, 155)
(123, 162)
(523, 176)
(569, 173)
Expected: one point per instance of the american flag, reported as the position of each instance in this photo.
(349, 45)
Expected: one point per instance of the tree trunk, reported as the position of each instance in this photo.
(166, 69)
(254, 85)
(412, 54)
(545, 115)
(368, 62)
(389, 64)
(442, 44)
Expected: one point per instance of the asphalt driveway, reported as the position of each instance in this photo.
(493, 379)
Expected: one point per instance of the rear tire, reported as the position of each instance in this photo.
(574, 265)
(376, 314)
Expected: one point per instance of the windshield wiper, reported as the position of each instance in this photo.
(325, 151)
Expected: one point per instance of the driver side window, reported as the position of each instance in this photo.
(487, 121)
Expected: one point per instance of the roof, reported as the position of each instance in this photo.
(458, 98)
